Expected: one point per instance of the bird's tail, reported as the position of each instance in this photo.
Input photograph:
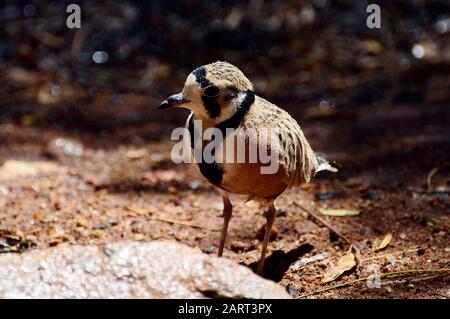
(324, 164)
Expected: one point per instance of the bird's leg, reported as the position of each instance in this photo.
(227, 211)
(270, 218)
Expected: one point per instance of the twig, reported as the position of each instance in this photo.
(148, 212)
(323, 222)
(176, 222)
(394, 273)
(140, 211)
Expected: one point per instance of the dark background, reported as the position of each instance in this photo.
(296, 52)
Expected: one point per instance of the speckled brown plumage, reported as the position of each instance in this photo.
(233, 104)
(223, 73)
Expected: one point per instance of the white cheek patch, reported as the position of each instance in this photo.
(236, 103)
(228, 111)
(239, 99)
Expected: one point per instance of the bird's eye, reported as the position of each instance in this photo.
(231, 93)
(211, 91)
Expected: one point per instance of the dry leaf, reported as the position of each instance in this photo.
(339, 212)
(343, 264)
(386, 240)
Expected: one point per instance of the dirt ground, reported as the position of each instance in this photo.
(121, 184)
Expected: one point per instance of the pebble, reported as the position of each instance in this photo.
(195, 184)
(402, 236)
(217, 206)
(156, 157)
(262, 230)
(136, 154)
(237, 246)
(59, 147)
(3, 190)
(209, 249)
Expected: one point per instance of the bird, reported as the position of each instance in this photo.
(220, 96)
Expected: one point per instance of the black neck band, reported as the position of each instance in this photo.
(212, 171)
(234, 121)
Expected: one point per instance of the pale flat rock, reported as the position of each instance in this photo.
(159, 269)
(13, 169)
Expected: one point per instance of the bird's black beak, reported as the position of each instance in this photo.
(173, 100)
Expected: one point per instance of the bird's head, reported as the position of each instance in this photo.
(213, 92)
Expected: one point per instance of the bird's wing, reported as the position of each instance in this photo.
(289, 141)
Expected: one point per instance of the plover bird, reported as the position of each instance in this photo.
(221, 97)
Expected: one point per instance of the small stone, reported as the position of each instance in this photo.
(200, 236)
(208, 249)
(237, 246)
(217, 206)
(81, 222)
(442, 233)
(60, 147)
(402, 236)
(262, 231)
(172, 190)
(97, 233)
(181, 235)
(156, 236)
(195, 185)
(389, 289)
(156, 157)
(136, 154)
(3, 190)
